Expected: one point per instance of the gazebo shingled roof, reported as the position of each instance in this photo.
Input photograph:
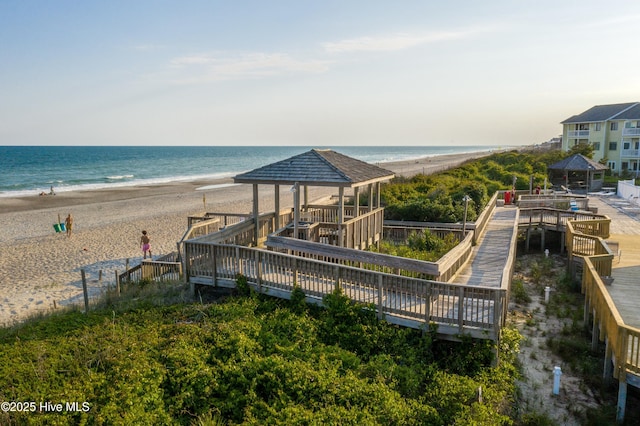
(317, 168)
(577, 162)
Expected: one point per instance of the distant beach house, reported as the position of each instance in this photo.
(613, 131)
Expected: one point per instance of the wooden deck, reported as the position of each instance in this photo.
(493, 249)
(475, 306)
(625, 231)
(614, 306)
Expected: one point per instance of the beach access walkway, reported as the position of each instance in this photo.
(493, 251)
(473, 302)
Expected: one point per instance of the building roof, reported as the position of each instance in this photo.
(626, 111)
(577, 162)
(632, 113)
(317, 168)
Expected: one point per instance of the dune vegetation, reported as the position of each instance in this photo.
(153, 356)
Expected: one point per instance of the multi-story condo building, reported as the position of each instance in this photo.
(612, 130)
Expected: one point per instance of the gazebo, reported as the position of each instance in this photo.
(577, 172)
(317, 167)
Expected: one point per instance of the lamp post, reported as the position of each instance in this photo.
(466, 200)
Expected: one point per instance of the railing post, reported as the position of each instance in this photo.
(238, 261)
(380, 293)
(117, 283)
(336, 274)
(460, 309)
(258, 270)
(215, 264)
(85, 291)
(427, 303)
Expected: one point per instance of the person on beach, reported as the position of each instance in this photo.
(68, 224)
(145, 243)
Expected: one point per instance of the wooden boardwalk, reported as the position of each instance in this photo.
(474, 303)
(625, 231)
(489, 256)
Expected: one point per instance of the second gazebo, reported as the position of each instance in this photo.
(578, 173)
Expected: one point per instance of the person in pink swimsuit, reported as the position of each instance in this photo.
(145, 243)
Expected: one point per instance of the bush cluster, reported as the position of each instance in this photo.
(439, 197)
(249, 360)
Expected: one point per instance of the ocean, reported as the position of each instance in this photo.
(29, 170)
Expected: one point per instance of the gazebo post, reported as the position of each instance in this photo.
(296, 209)
(340, 216)
(378, 195)
(356, 202)
(277, 206)
(256, 232)
(370, 197)
(306, 198)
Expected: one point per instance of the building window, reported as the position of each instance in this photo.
(612, 165)
(613, 146)
(625, 145)
(625, 165)
(598, 126)
(614, 125)
(596, 146)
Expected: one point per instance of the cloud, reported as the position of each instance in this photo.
(614, 21)
(223, 66)
(391, 43)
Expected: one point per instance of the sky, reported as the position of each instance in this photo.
(311, 73)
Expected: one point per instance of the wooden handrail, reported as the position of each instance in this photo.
(624, 340)
(418, 300)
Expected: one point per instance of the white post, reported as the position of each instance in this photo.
(557, 372)
(547, 291)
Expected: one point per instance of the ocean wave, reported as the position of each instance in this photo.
(114, 185)
(120, 177)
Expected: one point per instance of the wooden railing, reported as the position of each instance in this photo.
(408, 301)
(598, 258)
(509, 266)
(399, 234)
(623, 339)
(164, 268)
(362, 259)
(554, 218)
(554, 201)
(484, 217)
(454, 259)
(225, 219)
(363, 230)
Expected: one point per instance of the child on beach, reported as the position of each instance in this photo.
(145, 243)
(68, 224)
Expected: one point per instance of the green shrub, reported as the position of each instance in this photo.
(519, 291)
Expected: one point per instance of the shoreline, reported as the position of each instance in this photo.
(40, 269)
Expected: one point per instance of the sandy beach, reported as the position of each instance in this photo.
(40, 269)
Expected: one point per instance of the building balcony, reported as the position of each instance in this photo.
(633, 153)
(578, 134)
(631, 131)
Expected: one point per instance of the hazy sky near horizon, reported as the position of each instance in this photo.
(309, 73)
